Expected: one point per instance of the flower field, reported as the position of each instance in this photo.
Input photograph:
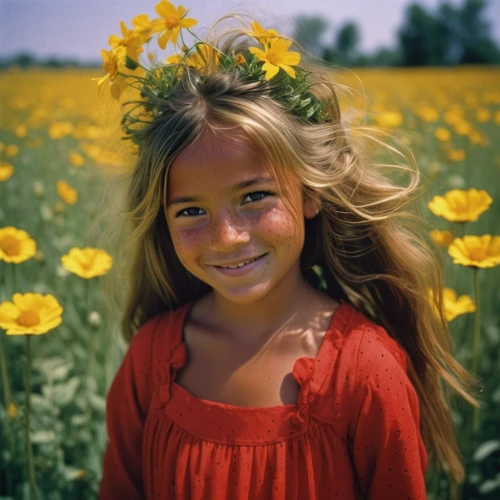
(60, 342)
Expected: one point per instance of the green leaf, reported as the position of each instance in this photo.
(130, 63)
(486, 449)
(42, 437)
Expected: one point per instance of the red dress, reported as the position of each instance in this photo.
(353, 433)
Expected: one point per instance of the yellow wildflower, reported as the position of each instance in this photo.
(30, 314)
(204, 56)
(240, 59)
(142, 26)
(463, 128)
(456, 154)
(87, 262)
(6, 171)
(131, 40)
(452, 305)
(11, 150)
(16, 245)
(21, 131)
(442, 134)
(261, 34)
(483, 115)
(113, 61)
(12, 411)
(389, 119)
(476, 251)
(67, 193)
(58, 130)
(427, 113)
(461, 206)
(275, 56)
(442, 238)
(171, 22)
(76, 159)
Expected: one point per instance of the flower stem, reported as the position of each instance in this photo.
(6, 393)
(29, 451)
(475, 347)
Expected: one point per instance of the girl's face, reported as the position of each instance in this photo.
(223, 210)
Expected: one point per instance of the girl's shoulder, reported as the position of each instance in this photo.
(368, 344)
(159, 334)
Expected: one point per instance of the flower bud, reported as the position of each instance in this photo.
(94, 319)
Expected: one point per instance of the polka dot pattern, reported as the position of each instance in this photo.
(353, 432)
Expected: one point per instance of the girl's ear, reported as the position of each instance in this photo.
(311, 206)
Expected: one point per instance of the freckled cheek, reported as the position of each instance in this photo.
(187, 243)
(280, 226)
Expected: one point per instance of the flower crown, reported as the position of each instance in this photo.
(271, 61)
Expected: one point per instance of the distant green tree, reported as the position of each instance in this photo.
(419, 38)
(308, 32)
(476, 42)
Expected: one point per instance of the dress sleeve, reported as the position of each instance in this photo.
(387, 448)
(126, 410)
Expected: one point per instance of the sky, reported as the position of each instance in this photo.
(80, 28)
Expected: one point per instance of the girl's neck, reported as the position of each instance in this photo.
(253, 323)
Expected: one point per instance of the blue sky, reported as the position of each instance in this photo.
(80, 28)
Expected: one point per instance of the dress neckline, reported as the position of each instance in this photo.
(228, 424)
(308, 362)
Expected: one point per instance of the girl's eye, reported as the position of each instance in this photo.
(194, 211)
(258, 195)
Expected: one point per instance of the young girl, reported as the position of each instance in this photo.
(287, 347)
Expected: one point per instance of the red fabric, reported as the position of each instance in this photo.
(353, 433)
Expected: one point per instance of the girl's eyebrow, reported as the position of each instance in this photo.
(233, 189)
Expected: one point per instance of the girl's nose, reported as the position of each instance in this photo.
(227, 233)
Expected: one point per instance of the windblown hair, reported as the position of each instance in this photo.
(370, 239)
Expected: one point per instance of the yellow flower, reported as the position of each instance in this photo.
(87, 262)
(113, 61)
(275, 56)
(483, 115)
(442, 134)
(442, 238)
(6, 171)
(21, 131)
(452, 305)
(58, 130)
(171, 22)
(67, 193)
(427, 113)
(456, 154)
(76, 159)
(11, 150)
(476, 251)
(12, 411)
(262, 35)
(389, 119)
(463, 128)
(460, 206)
(30, 314)
(142, 26)
(16, 245)
(240, 59)
(131, 40)
(204, 57)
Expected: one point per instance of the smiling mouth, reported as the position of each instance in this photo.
(242, 264)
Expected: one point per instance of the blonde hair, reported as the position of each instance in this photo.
(370, 239)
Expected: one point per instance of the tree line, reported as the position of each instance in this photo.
(447, 36)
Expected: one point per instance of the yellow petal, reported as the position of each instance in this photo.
(288, 70)
(291, 58)
(270, 69)
(165, 9)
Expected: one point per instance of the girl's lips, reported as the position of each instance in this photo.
(241, 271)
